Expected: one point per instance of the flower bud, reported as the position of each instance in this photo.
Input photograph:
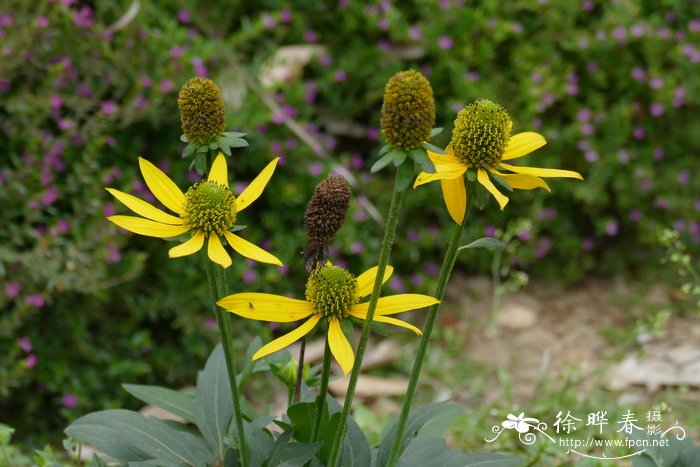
(408, 111)
(201, 110)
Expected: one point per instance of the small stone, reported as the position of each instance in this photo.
(516, 316)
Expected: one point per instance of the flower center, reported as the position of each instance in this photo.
(332, 291)
(209, 207)
(481, 133)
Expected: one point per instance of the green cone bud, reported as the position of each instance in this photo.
(324, 216)
(481, 133)
(332, 291)
(408, 111)
(201, 110)
(210, 207)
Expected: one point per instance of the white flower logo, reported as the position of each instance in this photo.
(520, 423)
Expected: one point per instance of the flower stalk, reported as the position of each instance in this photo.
(322, 392)
(445, 272)
(216, 277)
(387, 243)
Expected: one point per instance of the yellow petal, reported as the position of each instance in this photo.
(216, 251)
(397, 322)
(395, 304)
(443, 159)
(365, 281)
(340, 347)
(287, 339)
(193, 245)
(144, 209)
(249, 250)
(219, 172)
(484, 179)
(266, 307)
(445, 171)
(522, 181)
(162, 187)
(542, 172)
(256, 187)
(455, 196)
(522, 144)
(148, 227)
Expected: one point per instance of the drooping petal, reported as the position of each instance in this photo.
(365, 281)
(162, 187)
(443, 159)
(144, 209)
(287, 339)
(217, 252)
(397, 322)
(340, 347)
(250, 250)
(256, 187)
(266, 307)
(542, 172)
(193, 245)
(522, 181)
(395, 304)
(484, 179)
(219, 172)
(148, 227)
(455, 195)
(523, 144)
(441, 172)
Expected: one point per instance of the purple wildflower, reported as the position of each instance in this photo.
(12, 289)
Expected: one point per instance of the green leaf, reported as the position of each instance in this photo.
(97, 461)
(289, 454)
(212, 405)
(200, 163)
(421, 452)
(433, 148)
(421, 158)
(249, 364)
(385, 149)
(189, 150)
(226, 149)
(482, 197)
(435, 132)
(259, 439)
(404, 176)
(355, 449)
(478, 459)
(184, 138)
(417, 419)
(175, 402)
(302, 417)
(471, 175)
(484, 242)
(237, 227)
(383, 161)
(501, 181)
(234, 134)
(130, 437)
(398, 156)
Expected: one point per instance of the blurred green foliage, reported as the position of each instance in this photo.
(86, 87)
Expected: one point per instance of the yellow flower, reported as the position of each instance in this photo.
(208, 211)
(332, 294)
(481, 141)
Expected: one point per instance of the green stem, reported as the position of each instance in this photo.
(447, 265)
(322, 392)
(387, 243)
(219, 288)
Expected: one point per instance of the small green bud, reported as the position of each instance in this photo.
(201, 110)
(210, 207)
(332, 291)
(481, 133)
(408, 111)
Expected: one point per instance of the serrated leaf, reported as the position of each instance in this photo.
(383, 161)
(432, 148)
(212, 405)
(175, 402)
(130, 437)
(435, 132)
(484, 242)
